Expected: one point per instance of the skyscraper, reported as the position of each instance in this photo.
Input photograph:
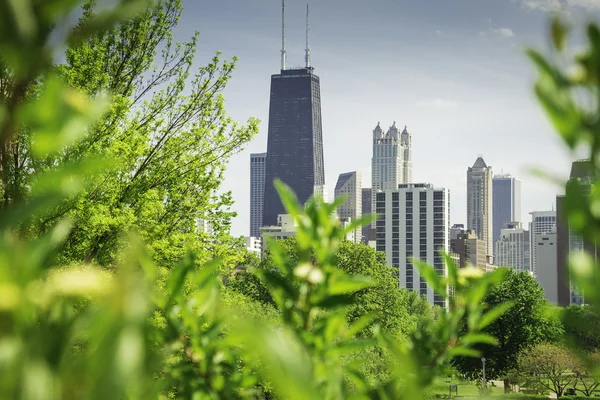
(542, 222)
(295, 138)
(349, 184)
(414, 223)
(506, 202)
(257, 191)
(391, 164)
(479, 202)
(513, 248)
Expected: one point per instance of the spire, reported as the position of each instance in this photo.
(283, 54)
(307, 50)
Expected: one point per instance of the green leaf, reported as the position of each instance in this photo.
(288, 198)
(432, 278)
(495, 313)
(350, 284)
(477, 338)
(558, 31)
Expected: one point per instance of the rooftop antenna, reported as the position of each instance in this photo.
(307, 55)
(283, 55)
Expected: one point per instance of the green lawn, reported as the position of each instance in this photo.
(467, 390)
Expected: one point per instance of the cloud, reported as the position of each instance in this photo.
(559, 5)
(437, 103)
(506, 32)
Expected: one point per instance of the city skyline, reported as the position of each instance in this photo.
(445, 83)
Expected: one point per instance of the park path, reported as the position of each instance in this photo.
(500, 384)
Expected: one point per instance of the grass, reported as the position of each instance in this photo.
(467, 390)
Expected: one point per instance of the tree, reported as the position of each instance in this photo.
(529, 322)
(549, 367)
(166, 134)
(582, 326)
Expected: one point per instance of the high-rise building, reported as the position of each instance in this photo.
(257, 191)
(349, 185)
(391, 164)
(569, 241)
(544, 247)
(542, 222)
(479, 203)
(513, 248)
(295, 137)
(366, 209)
(455, 230)
(469, 248)
(506, 202)
(414, 223)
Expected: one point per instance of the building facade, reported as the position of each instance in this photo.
(349, 185)
(506, 202)
(479, 203)
(544, 247)
(257, 191)
(513, 248)
(295, 139)
(391, 164)
(455, 230)
(414, 223)
(366, 209)
(469, 248)
(254, 245)
(542, 222)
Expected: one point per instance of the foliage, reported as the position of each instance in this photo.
(582, 326)
(549, 367)
(524, 325)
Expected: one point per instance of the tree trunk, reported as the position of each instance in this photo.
(506, 386)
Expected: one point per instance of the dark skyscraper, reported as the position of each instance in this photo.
(295, 138)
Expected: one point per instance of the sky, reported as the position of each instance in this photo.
(453, 71)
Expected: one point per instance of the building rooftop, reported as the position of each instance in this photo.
(479, 163)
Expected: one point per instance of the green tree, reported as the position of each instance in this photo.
(582, 326)
(548, 368)
(527, 323)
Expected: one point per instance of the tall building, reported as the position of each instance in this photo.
(542, 222)
(414, 223)
(349, 185)
(295, 137)
(544, 247)
(257, 191)
(469, 248)
(391, 164)
(506, 202)
(455, 230)
(568, 241)
(366, 209)
(513, 248)
(479, 203)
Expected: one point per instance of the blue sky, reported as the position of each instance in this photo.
(453, 71)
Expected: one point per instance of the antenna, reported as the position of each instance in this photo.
(307, 56)
(283, 55)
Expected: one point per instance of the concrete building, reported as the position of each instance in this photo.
(414, 223)
(350, 185)
(479, 203)
(506, 203)
(391, 163)
(470, 249)
(513, 248)
(542, 222)
(455, 230)
(254, 245)
(257, 191)
(544, 247)
(569, 241)
(366, 209)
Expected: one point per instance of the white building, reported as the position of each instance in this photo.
(257, 191)
(513, 248)
(542, 222)
(350, 185)
(479, 203)
(391, 163)
(321, 190)
(545, 248)
(204, 226)
(414, 223)
(254, 245)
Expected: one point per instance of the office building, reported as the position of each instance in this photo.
(455, 230)
(542, 222)
(414, 223)
(391, 163)
(544, 247)
(568, 240)
(366, 210)
(295, 137)
(479, 203)
(513, 248)
(257, 191)
(506, 202)
(254, 245)
(469, 248)
(350, 185)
